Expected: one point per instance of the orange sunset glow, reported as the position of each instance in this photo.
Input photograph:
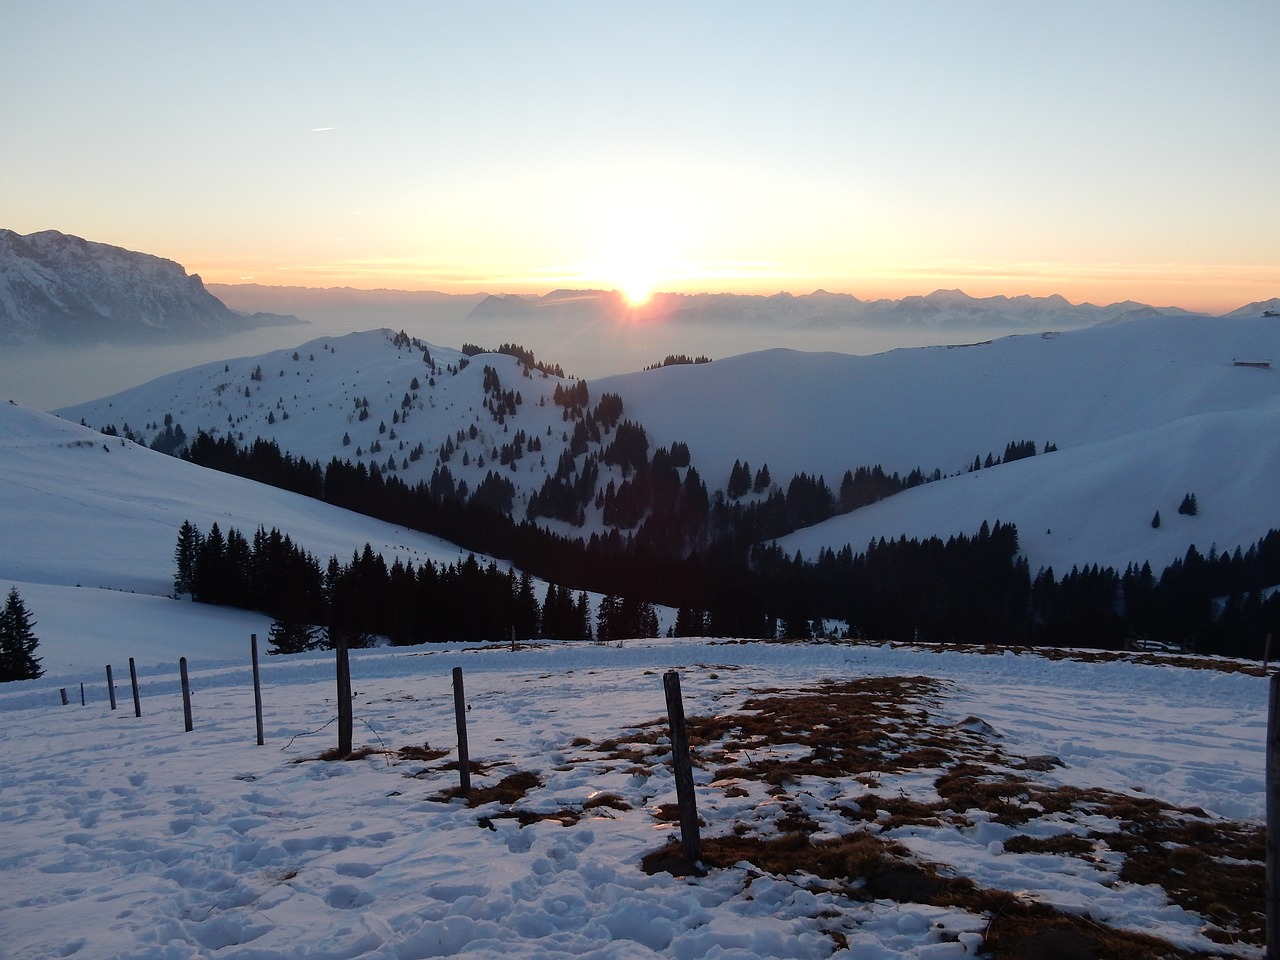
(1103, 152)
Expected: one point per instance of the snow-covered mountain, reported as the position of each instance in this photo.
(1141, 412)
(56, 287)
(1263, 308)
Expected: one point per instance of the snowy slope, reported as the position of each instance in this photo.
(309, 404)
(1141, 411)
(1094, 502)
(84, 514)
(940, 406)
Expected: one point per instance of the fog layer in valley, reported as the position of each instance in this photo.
(48, 377)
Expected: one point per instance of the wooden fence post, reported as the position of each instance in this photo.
(133, 678)
(1273, 819)
(82, 693)
(186, 694)
(690, 838)
(65, 701)
(111, 687)
(344, 698)
(257, 684)
(460, 718)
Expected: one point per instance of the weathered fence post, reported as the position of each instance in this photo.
(82, 693)
(111, 687)
(344, 698)
(133, 678)
(186, 693)
(460, 717)
(1273, 819)
(257, 684)
(690, 838)
(65, 701)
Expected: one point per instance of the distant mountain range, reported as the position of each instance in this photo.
(59, 288)
(942, 309)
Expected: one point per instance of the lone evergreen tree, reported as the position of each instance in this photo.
(17, 642)
(1155, 521)
(185, 555)
(291, 636)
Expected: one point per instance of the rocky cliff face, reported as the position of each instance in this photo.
(60, 288)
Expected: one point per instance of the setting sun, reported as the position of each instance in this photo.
(637, 290)
(632, 271)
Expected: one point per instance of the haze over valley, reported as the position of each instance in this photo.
(66, 343)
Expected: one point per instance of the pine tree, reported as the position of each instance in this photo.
(690, 623)
(185, 556)
(582, 616)
(287, 636)
(763, 482)
(1189, 507)
(1155, 521)
(17, 641)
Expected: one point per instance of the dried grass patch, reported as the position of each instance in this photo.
(869, 729)
(335, 754)
(849, 728)
(424, 753)
(867, 867)
(508, 790)
(1186, 661)
(606, 800)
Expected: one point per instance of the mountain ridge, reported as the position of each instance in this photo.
(941, 309)
(61, 288)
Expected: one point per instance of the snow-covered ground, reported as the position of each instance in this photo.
(125, 836)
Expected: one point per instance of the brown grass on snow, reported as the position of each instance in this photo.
(876, 727)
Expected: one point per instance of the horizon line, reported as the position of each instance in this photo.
(620, 294)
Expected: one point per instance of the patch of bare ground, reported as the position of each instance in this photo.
(867, 867)
(851, 728)
(609, 801)
(1186, 661)
(425, 753)
(515, 787)
(335, 754)
(867, 730)
(412, 752)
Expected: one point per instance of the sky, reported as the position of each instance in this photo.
(1102, 151)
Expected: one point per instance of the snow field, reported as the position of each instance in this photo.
(126, 837)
